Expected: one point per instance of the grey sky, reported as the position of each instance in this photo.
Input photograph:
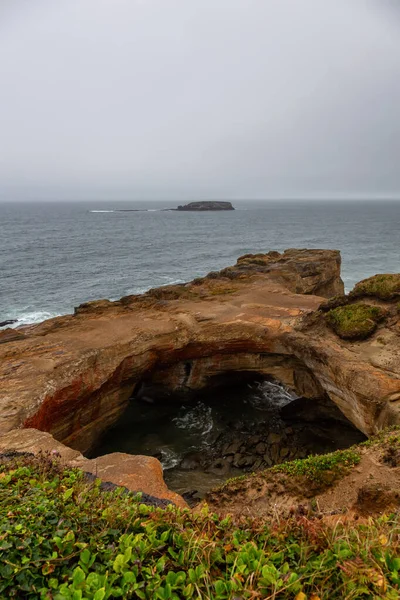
(199, 98)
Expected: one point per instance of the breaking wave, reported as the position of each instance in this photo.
(31, 318)
(199, 418)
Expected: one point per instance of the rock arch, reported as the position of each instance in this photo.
(72, 376)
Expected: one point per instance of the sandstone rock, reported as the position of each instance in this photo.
(254, 440)
(284, 453)
(136, 473)
(267, 459)
(375, 498)
(237, 459)
(275, 453)
(232, 448)
(245, 461)
(11, 335)
(73, 376)
(274, 438)
(258, 463)
(261, 448)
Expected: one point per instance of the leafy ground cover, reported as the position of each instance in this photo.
(62, 538)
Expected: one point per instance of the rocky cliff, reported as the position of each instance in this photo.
(73, 376)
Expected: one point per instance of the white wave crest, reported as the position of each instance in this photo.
(32, 318)
(199, 418)
(169, 458)
(275, 394)
(101, 211)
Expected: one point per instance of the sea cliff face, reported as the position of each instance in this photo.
(73, 376)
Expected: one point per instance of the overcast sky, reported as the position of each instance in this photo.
(151, 99)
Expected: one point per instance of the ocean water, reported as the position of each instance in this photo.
(54, 256)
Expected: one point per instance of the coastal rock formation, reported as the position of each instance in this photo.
(73, 376)
(10, 335)
(136, 473)
(206, 205)
(358, 482)
(8, 322)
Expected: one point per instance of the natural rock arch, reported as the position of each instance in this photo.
(72, 376)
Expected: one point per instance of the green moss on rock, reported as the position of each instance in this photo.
(383, 287)
(334, 303)
(354, 321)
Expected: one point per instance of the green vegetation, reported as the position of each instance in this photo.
(64, 539)
(385, 437)
(384, 287)
(322, 468)
(333, 302)
(354, 321)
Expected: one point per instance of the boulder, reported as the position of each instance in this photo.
(136, 473)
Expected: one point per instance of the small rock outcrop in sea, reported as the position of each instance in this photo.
(206, 205)
(8, 322)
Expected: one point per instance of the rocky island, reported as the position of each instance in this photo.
(205, 205)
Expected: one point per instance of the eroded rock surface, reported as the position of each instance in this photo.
(136, 473)
(73, 376)
(366, 483)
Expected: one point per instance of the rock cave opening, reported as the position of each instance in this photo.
(240, 423)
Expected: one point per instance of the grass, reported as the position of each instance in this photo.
(62, 538)
(322, 468)
(384, 287)
(312, 474)
(354, 321)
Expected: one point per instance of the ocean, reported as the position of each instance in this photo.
(54, 256)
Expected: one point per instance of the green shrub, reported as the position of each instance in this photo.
(354, 321)
(63, 539)
(315, 468)
(384, 287)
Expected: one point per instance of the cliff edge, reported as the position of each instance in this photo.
(73, 376)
